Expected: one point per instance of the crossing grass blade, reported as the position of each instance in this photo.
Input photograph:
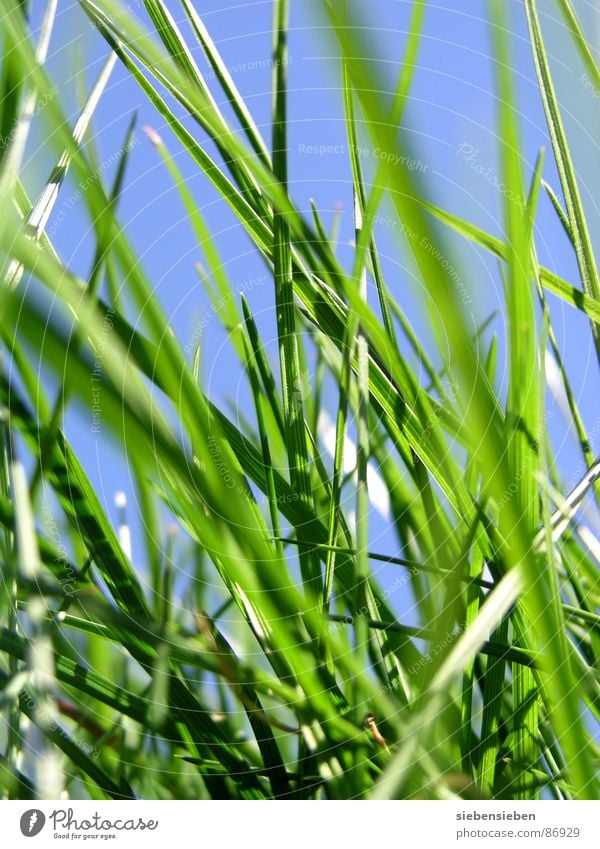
(19, 102)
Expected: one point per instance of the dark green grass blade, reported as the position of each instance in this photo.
(289, 354)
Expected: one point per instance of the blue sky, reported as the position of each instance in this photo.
(450, 123)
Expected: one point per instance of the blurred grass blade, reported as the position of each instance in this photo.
(581, 44)
(17, 113)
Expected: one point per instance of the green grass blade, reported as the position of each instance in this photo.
(581, 44)
(289, 354)
(227, 83)
(564, 162)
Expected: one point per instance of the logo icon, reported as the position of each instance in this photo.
(32, 822)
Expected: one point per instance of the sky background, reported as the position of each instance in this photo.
(452, 104)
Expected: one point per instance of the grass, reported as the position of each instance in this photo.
(281, 666)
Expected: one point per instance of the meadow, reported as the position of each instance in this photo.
(258, 643)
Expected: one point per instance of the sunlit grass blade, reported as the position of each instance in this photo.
(227, 83)
(40, 213)
(17, 112)
(566, 169)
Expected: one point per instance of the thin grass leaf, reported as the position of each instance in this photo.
(16, 115)
(580, 42)
(40, 213)
(564, 163)
(289, 353)
(227, 83)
